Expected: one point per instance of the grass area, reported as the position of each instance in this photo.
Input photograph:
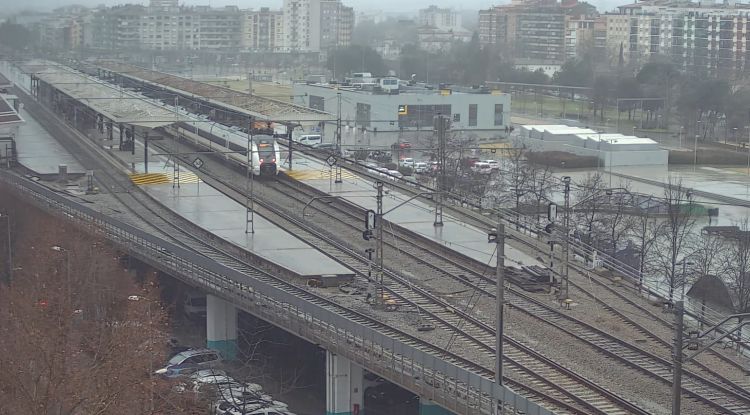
(263, 89)
(544, 106)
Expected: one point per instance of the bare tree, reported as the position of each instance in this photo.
(80, 334)
(590, 200)
(645, 231)
(517, 175)
(618, 222)
(707, 255)
(674, 241)
(540, 186)
(737, 266)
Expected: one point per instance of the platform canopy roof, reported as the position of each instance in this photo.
(262, 108)
(120, 106)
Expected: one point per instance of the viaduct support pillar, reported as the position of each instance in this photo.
(221, 327)
(344, 389)
(428, 407)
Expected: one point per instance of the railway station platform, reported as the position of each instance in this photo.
(217, 213)
(39, 152)
(416, 215)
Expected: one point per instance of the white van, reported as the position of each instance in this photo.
(310, 139)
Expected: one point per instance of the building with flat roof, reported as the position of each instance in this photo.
(610, 149)
(377, 118)
(532, 30)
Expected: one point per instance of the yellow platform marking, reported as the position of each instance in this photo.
(323, 174)
(142, 179)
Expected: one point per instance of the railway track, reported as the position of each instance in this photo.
(434, 314)
(537, 369)
(720, 393)
(176, 230)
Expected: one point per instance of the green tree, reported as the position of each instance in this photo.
(628, 88)
(356, 58)
(602, 89)
(575, 72)
(15, 36)
(701, 104)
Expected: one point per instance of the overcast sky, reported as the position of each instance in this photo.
(385, 5)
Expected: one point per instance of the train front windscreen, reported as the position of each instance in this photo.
(266, 154)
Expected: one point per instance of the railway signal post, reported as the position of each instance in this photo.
(566, 181)
(498, 237)
(379, 249)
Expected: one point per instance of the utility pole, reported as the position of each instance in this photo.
(566, 181)
(379, 246)
(440, 127)
(497, 236)
(175, 166)
(677, 358)
(289, 130)
(249, 208)
(338, 139)
(145, 150)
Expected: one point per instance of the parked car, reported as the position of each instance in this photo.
(395, 175)
(407, 162)
(404, 145)
(324, 146)
(382, 171)
(190, 361)
(420, 167)
(481, 168)
(194, 305)
(310, 139)
(494, 164)
(249, 408)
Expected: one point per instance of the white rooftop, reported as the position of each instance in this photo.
(561, 129)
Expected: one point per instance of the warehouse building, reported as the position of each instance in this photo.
(611, 149)
(375, 117)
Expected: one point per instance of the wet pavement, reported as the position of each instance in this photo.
(39, 152)
(217, 213)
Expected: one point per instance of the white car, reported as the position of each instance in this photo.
(420, 167)
(481, 168)
(494, 164)
(250, 407)
(407, 162)
(382, 171)
(395, 175)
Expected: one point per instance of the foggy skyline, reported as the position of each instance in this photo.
(388, 6)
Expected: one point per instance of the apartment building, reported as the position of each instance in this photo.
(262, 30)
(532, 30)
(317, 25)
(439, 18)
(218, 29)
(439, 29)
(704, 38)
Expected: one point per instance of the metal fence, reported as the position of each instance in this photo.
(452, 387)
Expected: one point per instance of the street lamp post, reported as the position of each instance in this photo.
(695, 153)
(682, 130)
(566, 181)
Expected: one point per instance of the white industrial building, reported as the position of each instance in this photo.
(610, 149)
(378, 118)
